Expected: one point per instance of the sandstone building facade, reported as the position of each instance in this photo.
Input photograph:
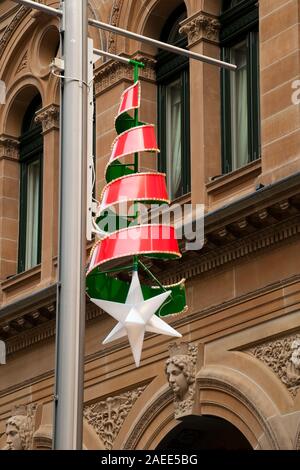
(230, 142)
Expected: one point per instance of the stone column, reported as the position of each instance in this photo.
(202, 29)
(49, 118)
(9, 199)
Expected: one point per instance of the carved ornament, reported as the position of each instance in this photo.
(23, 63)
(114, 21)
(10, 29)
(48, 117)
(201, 26)
(283, 357)
(107, 416)
(112, 72)
(20, 428)
(9, 148)
(181, 373)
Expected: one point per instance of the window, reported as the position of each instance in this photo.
(31, 153)
(240, 89)
(173, 109)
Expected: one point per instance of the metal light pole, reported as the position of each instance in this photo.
(70, 326)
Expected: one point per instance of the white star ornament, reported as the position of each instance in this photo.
(135, 317)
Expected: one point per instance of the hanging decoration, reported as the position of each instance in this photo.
(136, 307)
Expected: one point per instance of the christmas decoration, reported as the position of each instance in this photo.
(136, 316)
(124, 241)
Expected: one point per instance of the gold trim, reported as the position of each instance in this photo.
(134, 107)
(130, 228)
(185, 309)
(125, 155)
(178, 255)
(166, 201)
(130, 176)
(134, 227)
(182, 281)
(130, 130)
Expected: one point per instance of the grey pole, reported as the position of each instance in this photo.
(40, 7)
(161, 45)
(120, 58)
(72, 247)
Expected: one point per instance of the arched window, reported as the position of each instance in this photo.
(173, 109)
(240, 89)
(31, 158)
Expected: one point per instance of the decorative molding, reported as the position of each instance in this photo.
(9, 148)
(30, 337)
(25, 331)
(112, 72)
(201, 26)
(23, 386)
(223, 247)
(48, 117)
(10, 29)
(283, 357)
(23, 63)
(180, 370)
(107, 416)
(148, 416)
(114, 21)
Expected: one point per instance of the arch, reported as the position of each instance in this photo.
(29, 39)
(205, 433)
(148, 21)
(19, 97)
(297, 439)
(223, 393)
(98, 35)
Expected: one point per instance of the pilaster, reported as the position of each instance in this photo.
(9, 200)
(202, 30)
(48, 117)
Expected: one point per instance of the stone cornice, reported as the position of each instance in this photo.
(201, 26)
(48, 117)
(23, 331)
(31, 328)
(222, 247)
(9, 148)
(185, 319)
(108, 74)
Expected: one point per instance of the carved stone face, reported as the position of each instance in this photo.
(295, 358)
(177, 380)
(13, 439)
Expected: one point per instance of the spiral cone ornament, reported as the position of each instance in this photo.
(137, 308)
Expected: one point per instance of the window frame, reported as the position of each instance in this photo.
(31, 150)
(169, 68)
(238, 24)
